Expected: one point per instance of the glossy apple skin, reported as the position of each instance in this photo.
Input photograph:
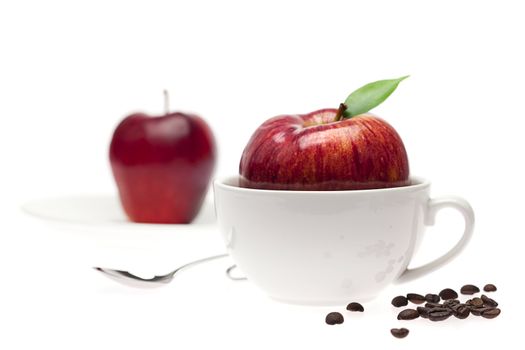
(162, 166)
(312, 152)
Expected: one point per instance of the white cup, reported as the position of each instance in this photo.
(329, 247)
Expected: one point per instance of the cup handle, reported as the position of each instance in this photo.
(433, 206)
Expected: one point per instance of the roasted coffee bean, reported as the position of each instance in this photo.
(400, 301)
(408, 314)
(355, 307)
(450, 303)
(477, 311)
(455, 307)
(469, 289)
(461, 312)
(476, 302)
(488, 301)
(491, 312)
(439, 315)
(440, 309)
(490, 288)
(399, 332)
(432, 298)
(436, 311)
(433, 305)
(334, 318)
(423, 311)
(448, 293)
(415, 298)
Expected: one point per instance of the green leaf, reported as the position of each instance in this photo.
(369, 96)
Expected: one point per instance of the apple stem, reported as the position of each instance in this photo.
(340, 112)
(166, 101)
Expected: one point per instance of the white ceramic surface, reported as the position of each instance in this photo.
(101, 210)
(95, 232)
(329, 247)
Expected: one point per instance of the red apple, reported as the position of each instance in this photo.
(329, 149)
(320, 151)
(162, 166)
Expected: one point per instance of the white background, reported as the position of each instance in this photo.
(69, 71)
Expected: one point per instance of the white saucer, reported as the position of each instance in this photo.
(95, 229)
(103, 211)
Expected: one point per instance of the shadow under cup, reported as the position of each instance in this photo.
(327, 247)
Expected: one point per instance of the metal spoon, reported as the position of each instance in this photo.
(130, 279)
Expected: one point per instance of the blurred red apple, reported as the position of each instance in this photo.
(162, 166)
(329, 149)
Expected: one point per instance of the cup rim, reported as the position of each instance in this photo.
(419, 183)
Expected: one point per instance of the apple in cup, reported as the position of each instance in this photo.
(329, 149)
(162, 165)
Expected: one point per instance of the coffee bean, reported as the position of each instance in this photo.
(455, 307)
(461, 312)
(408, 314)
(476, 302)
(432, 298)
(438, 315)
(399, 332)
(448, 293)
(415, 298)
(491, 313)
(469, 289)
(450, 303)
(334, 318)
(423, 311)
(477, 311)
(436, 311)
(440, 309)
(400, 301)
(433, 305)
(490, 288)
(355, 307)
(488, 301)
